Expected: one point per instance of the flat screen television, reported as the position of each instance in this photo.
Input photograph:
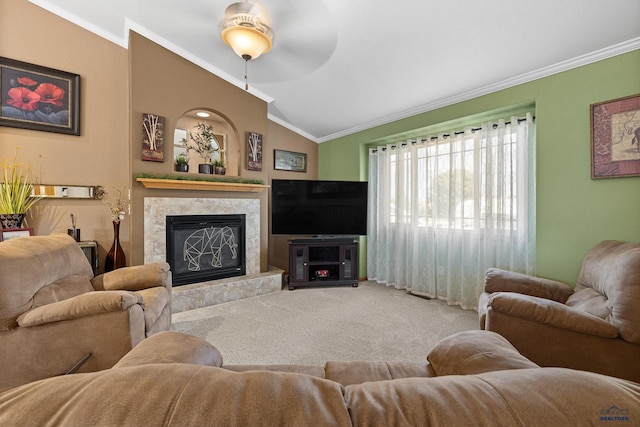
(318, 208)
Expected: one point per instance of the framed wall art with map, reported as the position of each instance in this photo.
(615, 138)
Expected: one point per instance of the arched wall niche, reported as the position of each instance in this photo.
(226, 136)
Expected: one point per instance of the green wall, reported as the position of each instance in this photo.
(573, 212)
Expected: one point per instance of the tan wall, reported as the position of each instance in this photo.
(191, 87)
(99, 156)
(284, 139)
(117, 87)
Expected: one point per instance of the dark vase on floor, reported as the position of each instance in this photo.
(115, 257)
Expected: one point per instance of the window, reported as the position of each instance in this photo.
(446, 193)
(462, 202)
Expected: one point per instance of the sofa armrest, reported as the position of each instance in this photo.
(83, 305)
(172, 347)
(134, 278)
(548, 312)
(497, 280)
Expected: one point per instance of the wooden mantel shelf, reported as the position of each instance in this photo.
(180, 184)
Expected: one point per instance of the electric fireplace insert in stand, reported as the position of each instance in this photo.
(205, 247)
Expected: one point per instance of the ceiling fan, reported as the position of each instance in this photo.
(303, 32)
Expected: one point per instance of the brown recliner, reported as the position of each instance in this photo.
(593, 327)
(54, 312)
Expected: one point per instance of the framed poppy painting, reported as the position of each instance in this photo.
(39, 98)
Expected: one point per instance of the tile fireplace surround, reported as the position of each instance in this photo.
(197, 295)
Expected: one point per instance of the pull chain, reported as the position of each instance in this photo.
(246, 58)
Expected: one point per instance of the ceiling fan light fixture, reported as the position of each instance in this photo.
(246, 29)
(246, 41)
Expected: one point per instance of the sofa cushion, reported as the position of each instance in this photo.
(172, 347)
(313, 370)
(179, 395)
(592, 302)
(474, 352)
(31, 263)
(612, 269)
(525, 397)
(62, 289)
(347, 372)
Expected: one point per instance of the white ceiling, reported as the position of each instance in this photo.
(340, 66)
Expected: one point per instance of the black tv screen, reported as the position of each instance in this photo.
(318, 208)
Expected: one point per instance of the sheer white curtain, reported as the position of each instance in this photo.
(444, 209)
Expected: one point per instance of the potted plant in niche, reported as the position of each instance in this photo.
(16, 193)
(182, 163)
(202, 139)
(218, 167)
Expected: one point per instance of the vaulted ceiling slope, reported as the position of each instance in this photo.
(338, 67)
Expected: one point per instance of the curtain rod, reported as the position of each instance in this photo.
(447, 135)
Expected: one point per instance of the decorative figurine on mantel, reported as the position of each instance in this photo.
(118, 206)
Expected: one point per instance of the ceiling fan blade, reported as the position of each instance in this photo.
(302, 42)
(260, 10)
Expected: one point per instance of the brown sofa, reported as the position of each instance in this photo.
(474, 378)
(593, 327)
(54, 312)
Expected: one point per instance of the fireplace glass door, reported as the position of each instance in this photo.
(205, 247)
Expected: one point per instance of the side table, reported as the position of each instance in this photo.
(90, 249)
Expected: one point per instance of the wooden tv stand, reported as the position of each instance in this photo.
(323, 262)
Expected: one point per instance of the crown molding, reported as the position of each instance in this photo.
(123, 41)
(145, 32)
(292, 128)
(578, 61)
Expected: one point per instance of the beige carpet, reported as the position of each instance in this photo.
(313, 325)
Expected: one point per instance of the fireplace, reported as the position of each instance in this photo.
(205, 247)
(210, 292)
(156, 210)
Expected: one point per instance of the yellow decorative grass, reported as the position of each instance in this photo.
(16, 188)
